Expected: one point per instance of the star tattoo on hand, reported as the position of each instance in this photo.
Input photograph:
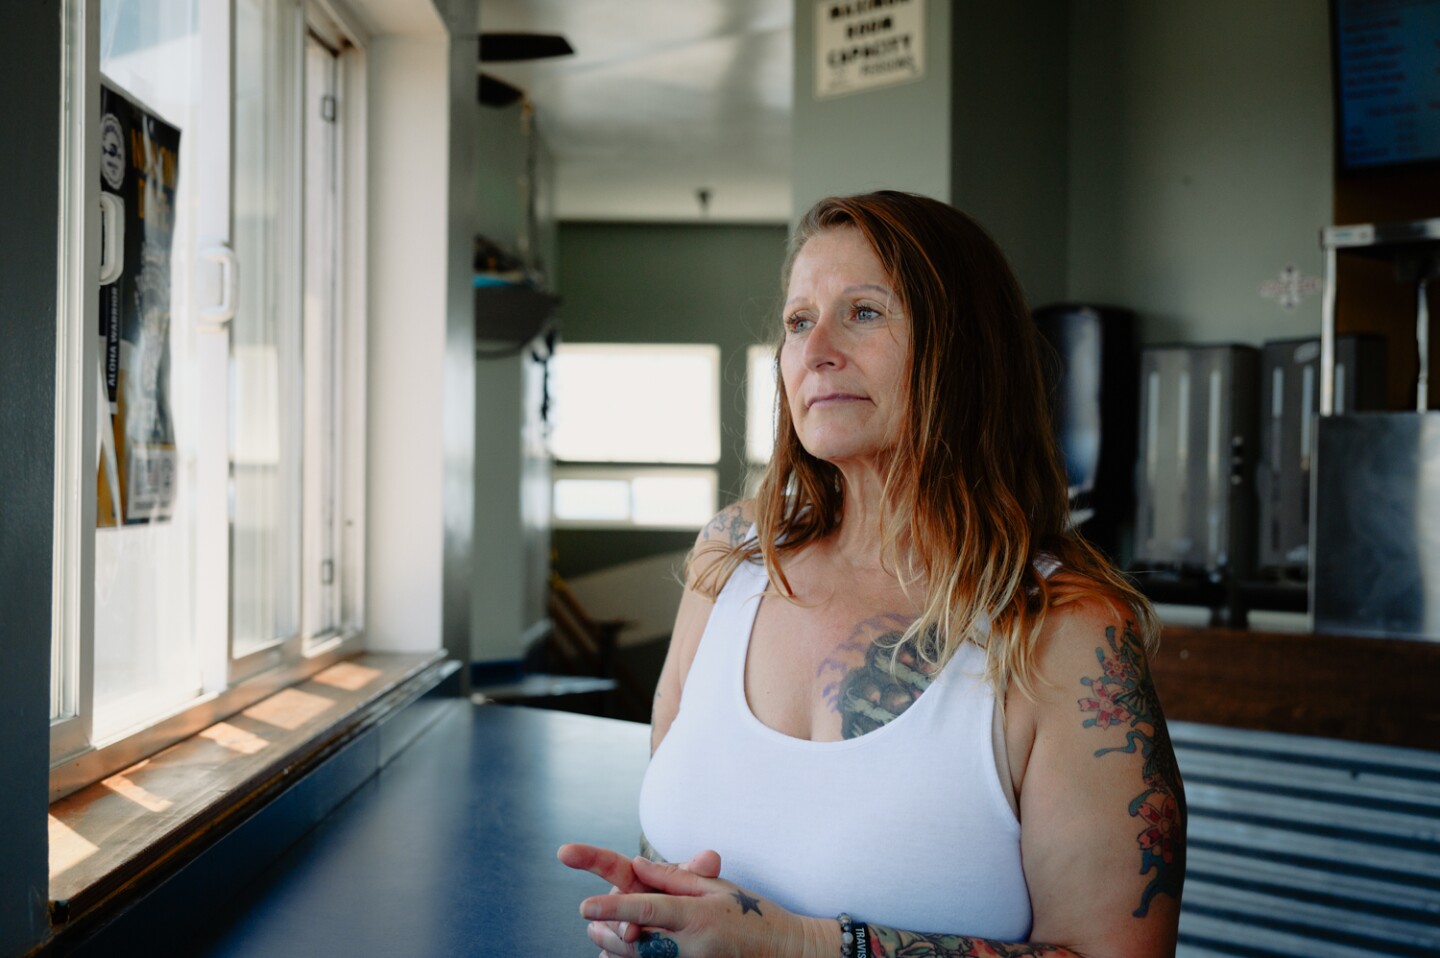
(747, 904)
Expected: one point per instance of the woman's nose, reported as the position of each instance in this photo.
(822, 345)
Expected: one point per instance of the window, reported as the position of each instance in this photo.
(761, 414)
(266, 372)
(646, 403)
(643, 498)
(214, 563)
(642, 411)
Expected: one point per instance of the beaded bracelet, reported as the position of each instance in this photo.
(854, 939)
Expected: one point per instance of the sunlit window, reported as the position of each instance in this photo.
(205, 420)
(760, 412)
(637, 403)
(638, 497)
(650, 407)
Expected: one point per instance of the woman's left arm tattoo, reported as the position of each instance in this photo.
(893, 943)
(1123, 694)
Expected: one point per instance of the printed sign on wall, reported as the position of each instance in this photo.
(139, 166)
(863, 44)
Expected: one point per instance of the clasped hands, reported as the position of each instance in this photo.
(658, 910)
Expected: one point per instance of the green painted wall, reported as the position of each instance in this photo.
(30, 66)
(1200, 162)
(895, 137)
(1167, 157)
(985, 128)
(669, 283)
(1009, 133)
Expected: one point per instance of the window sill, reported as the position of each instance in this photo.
(112, 840)
(85, 765)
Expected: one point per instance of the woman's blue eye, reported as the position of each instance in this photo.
(865, 312)
(797, 323)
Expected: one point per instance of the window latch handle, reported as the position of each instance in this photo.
(112, 238)
(214, 318)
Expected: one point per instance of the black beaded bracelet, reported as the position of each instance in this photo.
(854, 939)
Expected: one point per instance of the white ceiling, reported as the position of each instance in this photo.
(662, 98)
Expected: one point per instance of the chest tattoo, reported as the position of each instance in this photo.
(875, 692)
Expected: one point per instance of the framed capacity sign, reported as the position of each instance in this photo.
(863, 44)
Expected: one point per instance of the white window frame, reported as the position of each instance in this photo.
(286, 648)
(324, 376)
(339, 30)
(76, 758)
(76, 353)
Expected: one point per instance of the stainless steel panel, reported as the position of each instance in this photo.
(1196, 441)
(1376, 545)
(1289, 381)
(1288, 401)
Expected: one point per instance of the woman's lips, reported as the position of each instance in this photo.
(835, 399)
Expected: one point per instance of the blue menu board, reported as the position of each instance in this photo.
(1387, 81)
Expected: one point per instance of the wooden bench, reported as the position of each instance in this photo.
(1308, 846)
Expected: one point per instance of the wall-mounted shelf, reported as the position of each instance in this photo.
(509, 315)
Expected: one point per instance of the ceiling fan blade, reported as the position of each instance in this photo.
(503, 47)
(496, 92)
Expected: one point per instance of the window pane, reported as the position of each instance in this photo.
(265, 378)
(686, 501)
(760, 411)
(645, 403)
(145, 655)
(626, 497)
(596, 500)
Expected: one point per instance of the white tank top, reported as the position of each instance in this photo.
(905, 826)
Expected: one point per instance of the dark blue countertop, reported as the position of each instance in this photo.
(450, 849)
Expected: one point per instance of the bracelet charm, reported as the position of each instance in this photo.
(854, 939)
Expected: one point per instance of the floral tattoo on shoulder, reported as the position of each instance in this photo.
(729, 527)
(1123, 695)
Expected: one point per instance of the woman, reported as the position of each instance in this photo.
(900, 687)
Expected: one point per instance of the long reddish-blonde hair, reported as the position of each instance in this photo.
(974, 493)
